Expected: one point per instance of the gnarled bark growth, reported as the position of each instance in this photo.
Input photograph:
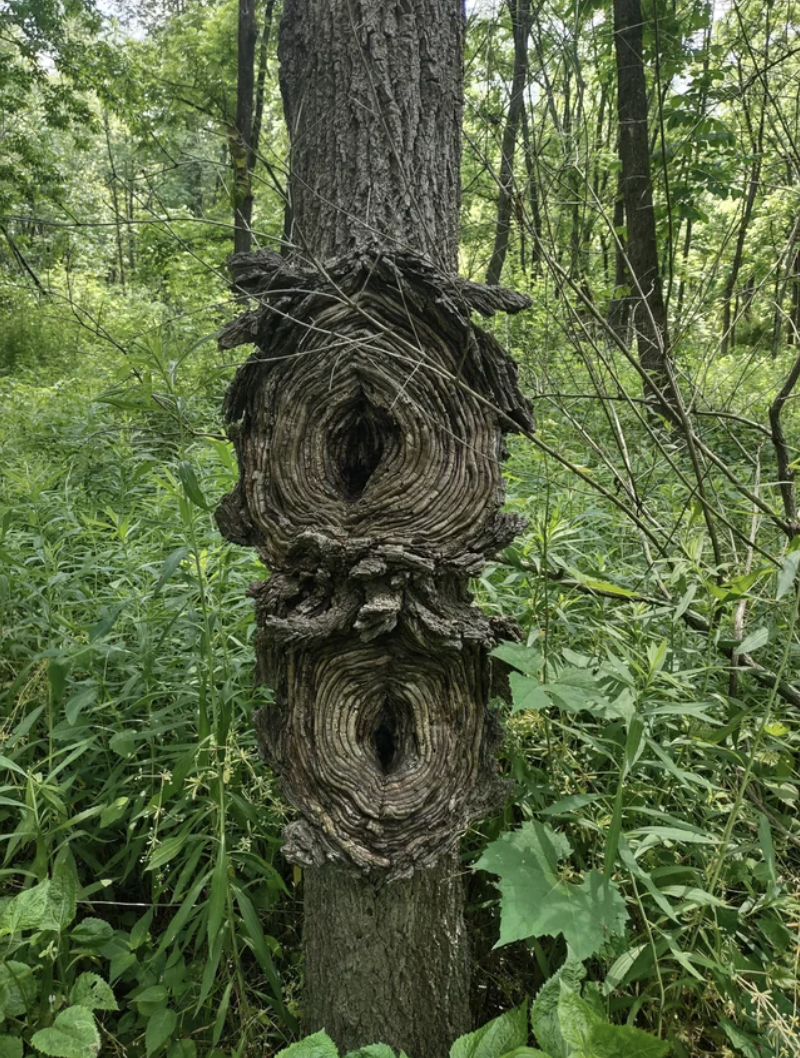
(369, 430)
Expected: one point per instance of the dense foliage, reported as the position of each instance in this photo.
(646, 864)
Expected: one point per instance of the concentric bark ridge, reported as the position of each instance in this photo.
(369, 427)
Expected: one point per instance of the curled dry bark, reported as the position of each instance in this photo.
(370, 483)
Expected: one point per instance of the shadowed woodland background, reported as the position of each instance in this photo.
(660, 557)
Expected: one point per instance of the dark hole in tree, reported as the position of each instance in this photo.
(387, 738)
(362, 444)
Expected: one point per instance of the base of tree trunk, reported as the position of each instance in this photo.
(387, 964)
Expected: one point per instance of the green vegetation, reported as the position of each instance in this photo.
(644, 874)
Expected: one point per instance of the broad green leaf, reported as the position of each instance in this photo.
(496, 1037)
(576, 1020)
(537, 902)
(19, 988)
(526, 659)
(92, 932)
(544, 1009)
(123, 744)
(10, 1047)
(787, 573)
(90, 990)
(151, 994)
(320, 1045)
(222, 1013)
(28, 910)
(527, 693)
(140, 929)
(62, 896)
(72, 1035)
(752, 642)
(575, 689)
(526, 1052)
(160, 1026)
(622, 1041)
(374, 1050)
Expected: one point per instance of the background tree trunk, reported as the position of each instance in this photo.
(241, 135)
(647, 299)
(521, 27)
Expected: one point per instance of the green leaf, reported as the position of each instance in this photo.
(527, 693)
(116, 810)
(167, 850)
(171, 563)
(57, 673)
(575, 689)
(92, 932)
(536, 901)
(624, 1041)
(90, 990)
(182, 1049)
(72, 1035)
(787, 573)
(18, 988)
(526, 659)
(765, 841)
(544, 1009)
(320, 1045)
(28, 910)
(742, 1041)
(496, 1037)
(576, 1020)
(590, 1036)
(8, 765)
(191, 486)
(123, 744)
(79, 701)
(62, 896)
(160, 1027)
(752, 642)
(10, 1047)
(374, 1050)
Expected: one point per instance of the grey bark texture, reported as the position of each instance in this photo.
(372, 93)
(369, 427)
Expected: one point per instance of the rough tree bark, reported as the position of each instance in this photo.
(369, 431)
(647, 299)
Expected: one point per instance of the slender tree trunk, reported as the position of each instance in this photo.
(521, 27)
(114, 187)
(532, 186)
(241, 136)
(370, 483)
(261, 81)
(649, 313)
(619, 310)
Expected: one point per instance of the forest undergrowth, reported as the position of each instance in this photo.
(133, 791)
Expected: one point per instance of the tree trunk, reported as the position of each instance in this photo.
(649, 313)
(521, 27)
(240, 136)
(355, 930)
(370, 483)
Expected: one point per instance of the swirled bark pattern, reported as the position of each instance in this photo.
(369, 431)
